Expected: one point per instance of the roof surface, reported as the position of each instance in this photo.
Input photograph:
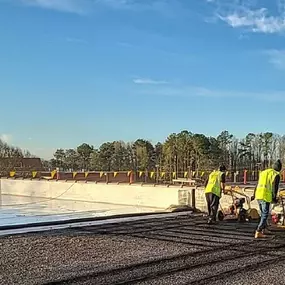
(180, 250)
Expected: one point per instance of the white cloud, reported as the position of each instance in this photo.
(134, 4)
(7, 138)
(149, 81)
(252, 16)
(194, 91)
(76, 41)
(165, 7)
(125, 44)
(118, 4)
(277, 58)
(257, 21)
(70, 6)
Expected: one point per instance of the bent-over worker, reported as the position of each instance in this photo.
(266, 193)
(215, 184)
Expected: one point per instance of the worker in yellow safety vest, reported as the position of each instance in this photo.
(266, 193)
(214, 187)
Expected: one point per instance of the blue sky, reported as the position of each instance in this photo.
(76, 71)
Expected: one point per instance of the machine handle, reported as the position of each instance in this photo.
(247, 188)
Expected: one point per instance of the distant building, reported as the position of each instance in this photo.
(19, 163)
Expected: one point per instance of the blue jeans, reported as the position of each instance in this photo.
(264, 209)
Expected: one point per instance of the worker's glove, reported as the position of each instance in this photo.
(252, 198)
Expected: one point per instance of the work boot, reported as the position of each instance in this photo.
(259, 235)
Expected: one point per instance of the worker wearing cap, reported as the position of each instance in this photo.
(215, 184)
(266, 193)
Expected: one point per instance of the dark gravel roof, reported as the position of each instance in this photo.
(182, 250)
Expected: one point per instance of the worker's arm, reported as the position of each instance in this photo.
(275, 188)
(206, 182)
(223, 182)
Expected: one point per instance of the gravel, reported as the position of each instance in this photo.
(137, 254)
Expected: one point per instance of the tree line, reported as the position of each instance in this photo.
(8, 151)
(180, 152)
(11, 155)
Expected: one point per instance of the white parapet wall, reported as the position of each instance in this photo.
(159, 197)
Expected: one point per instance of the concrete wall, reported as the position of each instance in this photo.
(160, 197)
(145, 196)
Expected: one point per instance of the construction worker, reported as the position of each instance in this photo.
(266, 193)
(214, 186)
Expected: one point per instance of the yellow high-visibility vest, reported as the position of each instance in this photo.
(264, 189)
(214, 183)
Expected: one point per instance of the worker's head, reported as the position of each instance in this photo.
(223, 168)
(277, 165)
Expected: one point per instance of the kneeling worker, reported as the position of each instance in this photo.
(266, 193)
(215, 184)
